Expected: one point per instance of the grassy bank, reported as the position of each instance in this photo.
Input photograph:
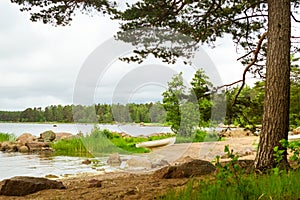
(233, 181)
(251, 186)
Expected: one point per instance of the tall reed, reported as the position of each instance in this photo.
(7, 137)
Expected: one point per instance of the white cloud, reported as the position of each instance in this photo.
(39, 63)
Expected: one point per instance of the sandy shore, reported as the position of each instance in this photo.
(141, 184)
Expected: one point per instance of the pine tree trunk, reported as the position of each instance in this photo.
(276, 103)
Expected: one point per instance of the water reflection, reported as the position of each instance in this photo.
(17, 164)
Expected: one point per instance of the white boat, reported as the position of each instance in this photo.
(157, 143)
(293, 137)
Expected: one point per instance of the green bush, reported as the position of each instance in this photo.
(199, 136)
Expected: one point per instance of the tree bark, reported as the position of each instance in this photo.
(277, 92)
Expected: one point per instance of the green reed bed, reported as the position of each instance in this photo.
(97, 143)
(7, 137)
(70, 147)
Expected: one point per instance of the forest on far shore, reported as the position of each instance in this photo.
(177, 100)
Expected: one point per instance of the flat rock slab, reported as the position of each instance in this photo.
(186, 170)
(24, 185)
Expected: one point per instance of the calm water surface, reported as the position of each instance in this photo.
(36, 129)
(17, 164)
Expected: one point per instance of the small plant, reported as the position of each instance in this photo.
(7, 137)
(294, 148)
(278, 156)
(230, 172)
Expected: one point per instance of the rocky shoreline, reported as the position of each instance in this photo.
(147, 182)
(28, 143)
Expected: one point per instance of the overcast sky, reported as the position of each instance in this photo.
(40, 64)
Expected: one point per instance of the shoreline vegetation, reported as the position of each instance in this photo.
(240, 186)
(230, 181)
(7, 137)
(104, 142)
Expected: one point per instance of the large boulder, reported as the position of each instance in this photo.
(160, 163)
(38, 146)
(25, 138)
(47, 136)
(4, 146)
(114, 160)
(63, 136)
(139, 162)
(186, 170)
(8, 147)
(23, 149)
(23, 185)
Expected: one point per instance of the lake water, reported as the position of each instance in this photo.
(36, 129)
(17, 164)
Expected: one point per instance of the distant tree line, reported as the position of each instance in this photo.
(100, 113)
(183, 108)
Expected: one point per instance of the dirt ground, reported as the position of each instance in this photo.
(143, 185)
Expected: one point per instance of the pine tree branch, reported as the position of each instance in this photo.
(247, 54)
(294, 18)
(227, 85)
(258, 47)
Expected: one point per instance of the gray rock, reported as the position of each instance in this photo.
(8, 147)
(186, 170)
(37, 146)
(114, 160)
(94, 183)
(139, 162)
(4, 145)
(161, 163)
(246, 152)
(23, 185)
(25, 138)
(23, 149)
(63, 136)
(48, 136)
(86, 162)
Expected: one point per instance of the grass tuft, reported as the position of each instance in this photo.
(7, 137)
